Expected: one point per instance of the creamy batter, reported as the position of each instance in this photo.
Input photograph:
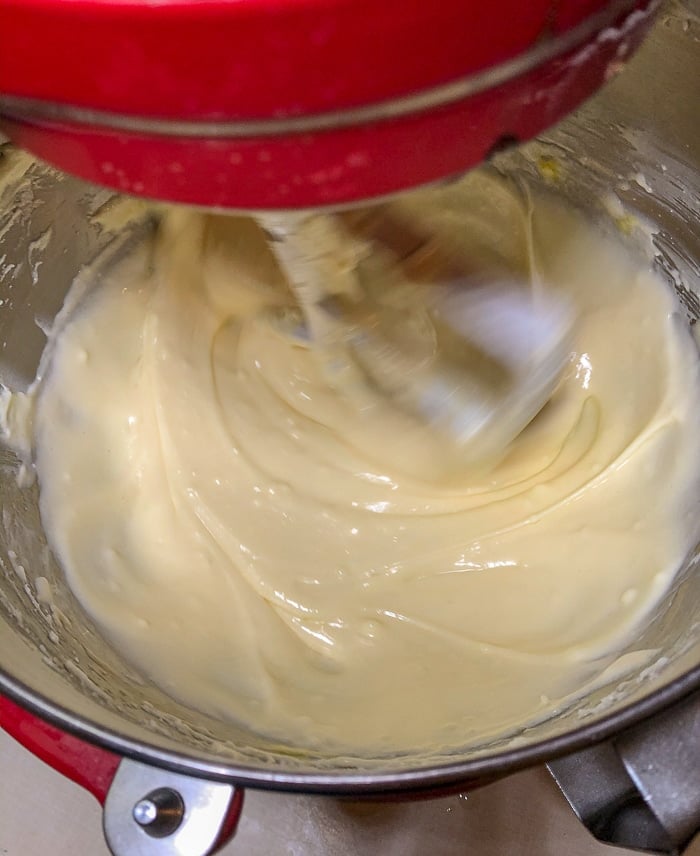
(250, 538)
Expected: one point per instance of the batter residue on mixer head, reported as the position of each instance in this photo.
(248, 538)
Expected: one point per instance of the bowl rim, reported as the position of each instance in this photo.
(344, 782)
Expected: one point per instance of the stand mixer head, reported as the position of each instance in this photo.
(274, 104)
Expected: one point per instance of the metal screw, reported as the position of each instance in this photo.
(159, 813)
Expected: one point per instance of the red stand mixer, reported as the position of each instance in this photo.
(279, 105)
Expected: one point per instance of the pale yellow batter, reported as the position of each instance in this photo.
(249, 538)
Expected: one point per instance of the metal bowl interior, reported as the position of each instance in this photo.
(630, 159)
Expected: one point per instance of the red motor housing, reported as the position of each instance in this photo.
(276, 104)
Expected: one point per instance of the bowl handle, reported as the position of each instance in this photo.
(147, 811)
(642, 789)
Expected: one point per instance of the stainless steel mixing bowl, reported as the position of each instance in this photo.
(630, 159)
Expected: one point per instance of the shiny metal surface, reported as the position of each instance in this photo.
(642, 789)
(160, 813)
(662, 758)
(630, 156)
(192, 813)
(606, 801)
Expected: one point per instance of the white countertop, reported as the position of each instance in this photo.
(42, 814)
